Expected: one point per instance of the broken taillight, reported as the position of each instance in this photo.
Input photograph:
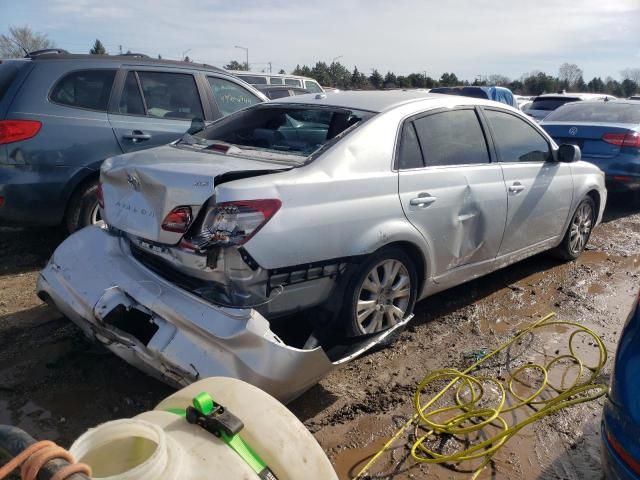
(100, 195)
(177, 220)
(234, 223)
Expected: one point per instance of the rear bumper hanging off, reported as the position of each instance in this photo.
(167, 332)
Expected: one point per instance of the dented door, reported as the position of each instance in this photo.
(457, 198)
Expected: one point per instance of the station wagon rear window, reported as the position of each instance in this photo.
(549, 104)
(296, 130)
(84, 89)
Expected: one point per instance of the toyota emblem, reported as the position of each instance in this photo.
(573, 131)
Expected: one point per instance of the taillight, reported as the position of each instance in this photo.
(100, 195)
(178, 220)
(16, 130)
(631, 139)
(623, 454)
(235, 223)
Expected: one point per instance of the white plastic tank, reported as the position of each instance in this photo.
(162, 445)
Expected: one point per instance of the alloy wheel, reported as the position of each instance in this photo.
(95, 215)
(384, 296)
(581, 226)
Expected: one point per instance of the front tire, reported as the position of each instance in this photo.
(381, 293)
(579, 231)
(83, 207)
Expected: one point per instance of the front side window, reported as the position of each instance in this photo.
(289, 130)
(85, 89)
(231, 97)
(312, 86)
(452, 138)
(293, 82)
(170, 95)
(516, 140)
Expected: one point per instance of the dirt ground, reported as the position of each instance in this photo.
(55, 384)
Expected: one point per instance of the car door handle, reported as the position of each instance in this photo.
(137, 136)
(516, 187)
(422, 200)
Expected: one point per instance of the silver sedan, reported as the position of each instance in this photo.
(353, 204)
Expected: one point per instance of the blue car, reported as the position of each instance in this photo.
(61, 115)
(608, 134)
(621, 415)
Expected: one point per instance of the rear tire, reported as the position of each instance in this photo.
(381, 293)
(578, 232)
(83, 207)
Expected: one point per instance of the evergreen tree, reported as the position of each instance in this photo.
(376, 79)
(282, 72)
(98, 48)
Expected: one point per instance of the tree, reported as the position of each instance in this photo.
(98, 48)
(22, 40)
(390, 80)
(282, 72)
(498, 80)
(596, 85)
(233, 65)
(376, 79)
(186, 59)
(628, 87)
(449, 80)
(632, 74)
(570, 73)
(539, 84)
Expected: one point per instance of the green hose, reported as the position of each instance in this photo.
(469, 417)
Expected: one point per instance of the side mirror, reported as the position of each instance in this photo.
(569, 153)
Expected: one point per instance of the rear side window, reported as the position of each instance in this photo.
(312, 86)
(275, 81)
(516, 140)
(293, 82)
(409, 154)
(8, 72)
(84, 89)
(452, 138)
(231, 97)
(254, 80)
(170, 95)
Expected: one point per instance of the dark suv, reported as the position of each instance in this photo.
(61, 115)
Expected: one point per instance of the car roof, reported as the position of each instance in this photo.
(263, 74)
(582, 96)
(130, 59)
(378, 100)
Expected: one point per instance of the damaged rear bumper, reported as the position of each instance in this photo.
(168, 332)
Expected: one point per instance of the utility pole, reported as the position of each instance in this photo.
(120, 49)
(246, 50)
(270, 67)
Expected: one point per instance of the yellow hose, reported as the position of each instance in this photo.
(469, 417)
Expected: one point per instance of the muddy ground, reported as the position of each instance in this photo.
(55, 384)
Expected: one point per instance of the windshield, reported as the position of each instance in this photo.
(549, 104)
(597, 112)
(290, 129)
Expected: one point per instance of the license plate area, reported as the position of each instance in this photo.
(135, 322)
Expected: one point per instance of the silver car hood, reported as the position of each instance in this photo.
(141, 188)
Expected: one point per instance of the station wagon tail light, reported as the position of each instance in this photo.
(631, 139)
(17, 130)
(236, 222)
(177, 220)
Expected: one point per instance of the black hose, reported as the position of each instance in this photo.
(14, 440)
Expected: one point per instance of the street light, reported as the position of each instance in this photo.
(246, 50)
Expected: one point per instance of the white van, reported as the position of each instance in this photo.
(254, 78)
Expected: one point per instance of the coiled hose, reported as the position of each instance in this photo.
(37, 460)
(468, 417)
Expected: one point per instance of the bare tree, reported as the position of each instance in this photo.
(21, 40)
(632, 74)
(498, 80)
(570, 73)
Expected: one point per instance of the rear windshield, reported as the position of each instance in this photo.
(253, 80)
(8, 72)
(288, 129)
(550, 104)
(598, 112)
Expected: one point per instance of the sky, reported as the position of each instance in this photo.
(467, 37)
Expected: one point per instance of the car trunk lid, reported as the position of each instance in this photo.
(588, 137)
(142, 188)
